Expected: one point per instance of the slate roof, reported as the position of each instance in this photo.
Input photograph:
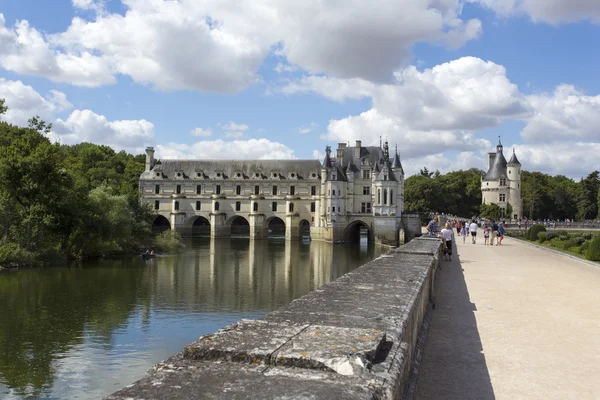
(498, 168)
(513, 159)
(302, 169)
(396, 164)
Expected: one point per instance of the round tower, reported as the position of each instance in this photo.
(513, 171)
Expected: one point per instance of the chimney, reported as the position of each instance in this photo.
(149, 158)
(340, 154)
(491, 157)
(357, 149)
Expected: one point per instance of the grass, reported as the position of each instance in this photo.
(548, 245)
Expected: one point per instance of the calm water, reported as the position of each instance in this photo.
(86, 330)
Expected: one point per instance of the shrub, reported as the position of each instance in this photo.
(588, 236)
(563, 237)
(542, 237)
(168, 242)
(593, 251)
(568, 244)
(550, 235)
(12, 255)
(561, 233)
(579, 240)
(534, 230)
(584, 248)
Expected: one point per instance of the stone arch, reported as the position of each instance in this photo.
(275, 227)
(304, 228)
(197, 226)
(238, 226)
(355, 230)
(160, 224)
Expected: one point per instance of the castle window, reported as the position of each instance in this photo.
(179, 174)
(157, 189)
(366, 190)
(366, 174)
(176, 206)
(156, 204)
(238, 189)
(291, 207)
(274, 206)
(312, 207)
(198, 189)
(502, 181)
(178, 190)
(256, 189)
(385, 177)
(257, 175)
(274, 174)
(274, 190)
(218, 174)
(365, 208)
(198, 205)
(502, 197)
(238, 206)
(216, 206)
(199, 174)
(333, 176)
(313, 190)
(239, 174)
(313, 175)
(158, 174)
(368, 208)
(255, 206)
(385, 196)
(218, 189)
(293, 175)
(378, 196)
(392, 196)
(292, 190)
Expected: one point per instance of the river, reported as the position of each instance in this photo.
(84, 330)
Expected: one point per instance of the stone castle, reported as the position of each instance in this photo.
(358, 190)
(502, 184)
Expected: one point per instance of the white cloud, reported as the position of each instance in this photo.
(443, 163)
(572, 159)
(317, 154)
(232, 38)
(303, 130)
(24, 102)
(282, 67)
(262, 149)
(87, 126)
(201, 132)
(565, 114)
(233, 130)
(332, 88)
(549, 11)
(26, 51)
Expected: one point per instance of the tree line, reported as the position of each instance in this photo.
(544, 196)
(62, 202)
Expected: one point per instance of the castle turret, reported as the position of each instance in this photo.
(514, 181)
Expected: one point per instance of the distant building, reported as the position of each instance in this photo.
(359, 187)
(502, 183)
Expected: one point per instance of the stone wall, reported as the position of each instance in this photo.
(353, 338)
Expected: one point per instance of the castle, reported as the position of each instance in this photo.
(502, 184)
(359, 190)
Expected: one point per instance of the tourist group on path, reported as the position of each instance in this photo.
(491, 232)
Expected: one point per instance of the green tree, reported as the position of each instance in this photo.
(490, 211)
(425, 172)
(39, 124)
(3, 108)
(587, 206)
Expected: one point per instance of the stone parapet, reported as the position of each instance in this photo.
(352, 338)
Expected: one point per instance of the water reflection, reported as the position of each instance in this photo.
(84, 330)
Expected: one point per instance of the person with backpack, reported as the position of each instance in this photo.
(494, 233)
(432, 227)
(500, 234)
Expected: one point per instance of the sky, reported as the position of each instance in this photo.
(441, 80)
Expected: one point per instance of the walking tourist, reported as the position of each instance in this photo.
(494, 233)
(473, 229)
(486, 234)
(500, 234)
(458, 225)
(463, 233)
(447, 235)
(432, 227)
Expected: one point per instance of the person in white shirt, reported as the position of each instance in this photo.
(447, 234)
(473, 229)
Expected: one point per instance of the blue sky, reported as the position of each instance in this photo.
(259, 79)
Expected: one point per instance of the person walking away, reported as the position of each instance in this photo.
(463, 233)
(432, 227)
(500, 234)
(473, 229)
(458, 225)
(447, 235)
(494, 233)
(486, 234)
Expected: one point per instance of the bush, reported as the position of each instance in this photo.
(12, 255)
(593, 251)
(550, 235)
(584, 248)
(587, 236)
(563, 237)
(533, 232)
(568, 244)
(542, 237)
(168, 242)
(561, 233)
(579, 240)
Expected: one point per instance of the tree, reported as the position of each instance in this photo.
(587, 206)
(39, 124)
(490, 211)
(425, 172)
(3, 108)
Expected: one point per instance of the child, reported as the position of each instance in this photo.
(463, 233)
(486, 234)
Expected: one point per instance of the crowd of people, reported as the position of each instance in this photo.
(492, 232)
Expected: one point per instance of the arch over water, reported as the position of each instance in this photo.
(358, 231)
(239, 226)
(304, 228)
(160, 224)
(276, 227)
(198, 226)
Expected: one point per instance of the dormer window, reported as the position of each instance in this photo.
(275, 175)
(257, 175)
(179, 174)
(502, 181)
(218, 174)
(238, 175)
(158, 174)
(313, 175)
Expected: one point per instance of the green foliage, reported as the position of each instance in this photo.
(561, 232)
(542, 236)
(490, 211)
(168, 242)
(564, 237)
(61, 202)
(550, 235)
(593, 251)
(588, 199)
(39, 125)
(3, 108)
(534, 230)
(588, 235)
(579, 240)
(584, 247)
